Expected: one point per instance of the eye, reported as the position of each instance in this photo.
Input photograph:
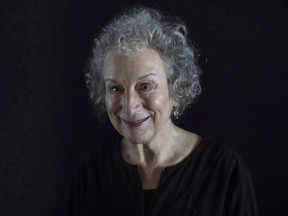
(145, 86)
(115, 89)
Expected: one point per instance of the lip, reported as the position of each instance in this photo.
(135, 124)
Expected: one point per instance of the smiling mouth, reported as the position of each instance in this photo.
(138, 123)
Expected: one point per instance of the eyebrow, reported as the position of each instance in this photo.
(146, 75)
(140, 78)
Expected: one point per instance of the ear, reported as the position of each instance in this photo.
(175, 104)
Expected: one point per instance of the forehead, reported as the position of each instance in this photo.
(136, 63)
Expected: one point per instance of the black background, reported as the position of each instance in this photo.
(47, 120)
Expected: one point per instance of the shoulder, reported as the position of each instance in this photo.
(94, 174)
(216, 164)
(214, 155)
(218, 175)
(103, 154)
(216, 150)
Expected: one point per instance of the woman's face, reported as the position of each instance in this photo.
(137, 96)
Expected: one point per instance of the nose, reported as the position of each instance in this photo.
(131, 103)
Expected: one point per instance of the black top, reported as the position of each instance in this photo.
(148, 197)
(211, 181)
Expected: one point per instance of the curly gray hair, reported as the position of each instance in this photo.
(144, 27)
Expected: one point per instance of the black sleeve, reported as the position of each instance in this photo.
(240, 198)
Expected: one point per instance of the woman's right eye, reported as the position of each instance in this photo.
(115, 89)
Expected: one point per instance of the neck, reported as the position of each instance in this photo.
(156, 153)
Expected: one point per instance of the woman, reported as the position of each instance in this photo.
(142, 74)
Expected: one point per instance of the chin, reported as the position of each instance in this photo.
(139, 138)
(136, 139)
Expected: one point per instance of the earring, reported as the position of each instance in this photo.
(176, 114)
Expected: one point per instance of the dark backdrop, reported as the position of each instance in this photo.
(47, 121)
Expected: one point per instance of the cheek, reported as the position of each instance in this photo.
(159, 102)
(112, 104)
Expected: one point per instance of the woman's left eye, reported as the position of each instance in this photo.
(145, 86)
